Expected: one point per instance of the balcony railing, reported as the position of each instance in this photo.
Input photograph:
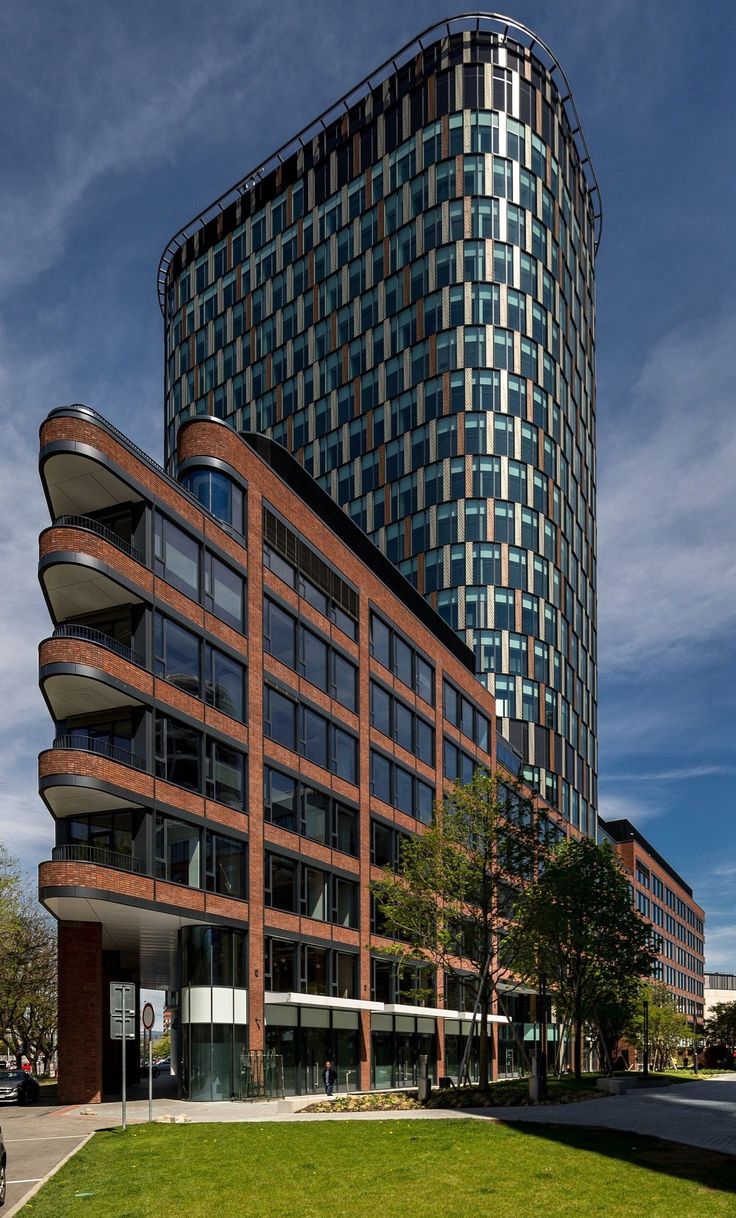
(91, 744)
(79, 853)
(94, 526)
(69, 630)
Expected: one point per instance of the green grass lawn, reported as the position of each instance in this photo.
(386, 1169)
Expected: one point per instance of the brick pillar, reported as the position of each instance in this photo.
(81, 1012)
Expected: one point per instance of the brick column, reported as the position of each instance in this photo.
(81, 1012)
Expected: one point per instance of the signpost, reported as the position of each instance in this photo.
(148, 1018)
(122, 1025)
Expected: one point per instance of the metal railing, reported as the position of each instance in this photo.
(70, 630)
(77, 852)
(93, 744)
(94, 526)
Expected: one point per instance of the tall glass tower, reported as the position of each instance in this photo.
(403, 296)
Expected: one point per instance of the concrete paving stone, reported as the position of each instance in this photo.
(701, 1113)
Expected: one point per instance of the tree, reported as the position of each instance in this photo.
(162, 1046)
(577, 928)
(720, 1026)
(28, 983)
(667, 1027)
(454, 891)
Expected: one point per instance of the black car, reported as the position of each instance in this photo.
(18, 1087)
(3, 1169)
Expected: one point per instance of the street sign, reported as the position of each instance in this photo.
(148, 1016)
(122, 1026)
(122, 1010)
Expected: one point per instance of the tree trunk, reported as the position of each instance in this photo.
(483, 1072)
(578, 1049)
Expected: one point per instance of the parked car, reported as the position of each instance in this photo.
(163, 1066)
(18, 1087)
(3, 1169)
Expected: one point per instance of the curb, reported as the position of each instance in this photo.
(24, 1200)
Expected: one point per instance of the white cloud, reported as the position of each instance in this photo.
(666, 521)
(620, 807)
(682, 774)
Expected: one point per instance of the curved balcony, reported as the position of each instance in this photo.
(77, 852)
(89, 524)
(87, 634)
(77, 678)
(103, 748)
(82, 571)
(79, 475)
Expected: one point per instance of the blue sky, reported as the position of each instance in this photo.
(121, 122)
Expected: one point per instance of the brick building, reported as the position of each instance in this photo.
(251, 707)
(664, 899)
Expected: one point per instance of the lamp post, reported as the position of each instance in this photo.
(645, 1061)
(542, 1051)
(695, 1045)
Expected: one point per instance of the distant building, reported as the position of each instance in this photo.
(665, 900)
(719, 987)
(403, 297)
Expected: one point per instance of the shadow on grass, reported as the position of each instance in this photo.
(709, 1168)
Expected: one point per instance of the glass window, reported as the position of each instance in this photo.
(346, 829)
(177, 655)
(380, 709)
(281, 876)
(225, 774)
(218, 494)
(280, 798)
(279, 717)
(177, 557)
(345, 755)
(381, 777)
(225, 592)
(279, 633)
(314, 653)
(314, 736)
(226, 865)
(380, 641)
(281, 956)
(315, 814)
(177, 848)
(224, 683)
(344, 681)
(178, 749)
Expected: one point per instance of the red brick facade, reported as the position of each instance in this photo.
(82, 1008)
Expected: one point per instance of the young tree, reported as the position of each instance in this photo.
(28, 994)
(667, 1028)
(454, 891)
(720, 1026)
(577, 928)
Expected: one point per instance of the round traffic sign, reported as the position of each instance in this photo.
(148, 1016)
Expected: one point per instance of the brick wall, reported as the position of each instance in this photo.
(80, 1012)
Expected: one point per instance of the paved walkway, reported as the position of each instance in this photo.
(700, 1113)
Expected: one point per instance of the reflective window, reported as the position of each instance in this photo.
(177, 655)
(226, 864)
(225, 774)
(177, 849)
(218, 494)
(224, 592)
(176, 556)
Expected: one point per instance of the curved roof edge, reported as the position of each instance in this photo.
(439, 29)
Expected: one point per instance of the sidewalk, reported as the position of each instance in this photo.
(699, 1114)
(108, 1115)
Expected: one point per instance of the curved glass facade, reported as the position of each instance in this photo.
(212, 1011)
(218, 493)
(407, 304)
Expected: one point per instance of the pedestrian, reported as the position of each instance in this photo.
(329, 1078)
